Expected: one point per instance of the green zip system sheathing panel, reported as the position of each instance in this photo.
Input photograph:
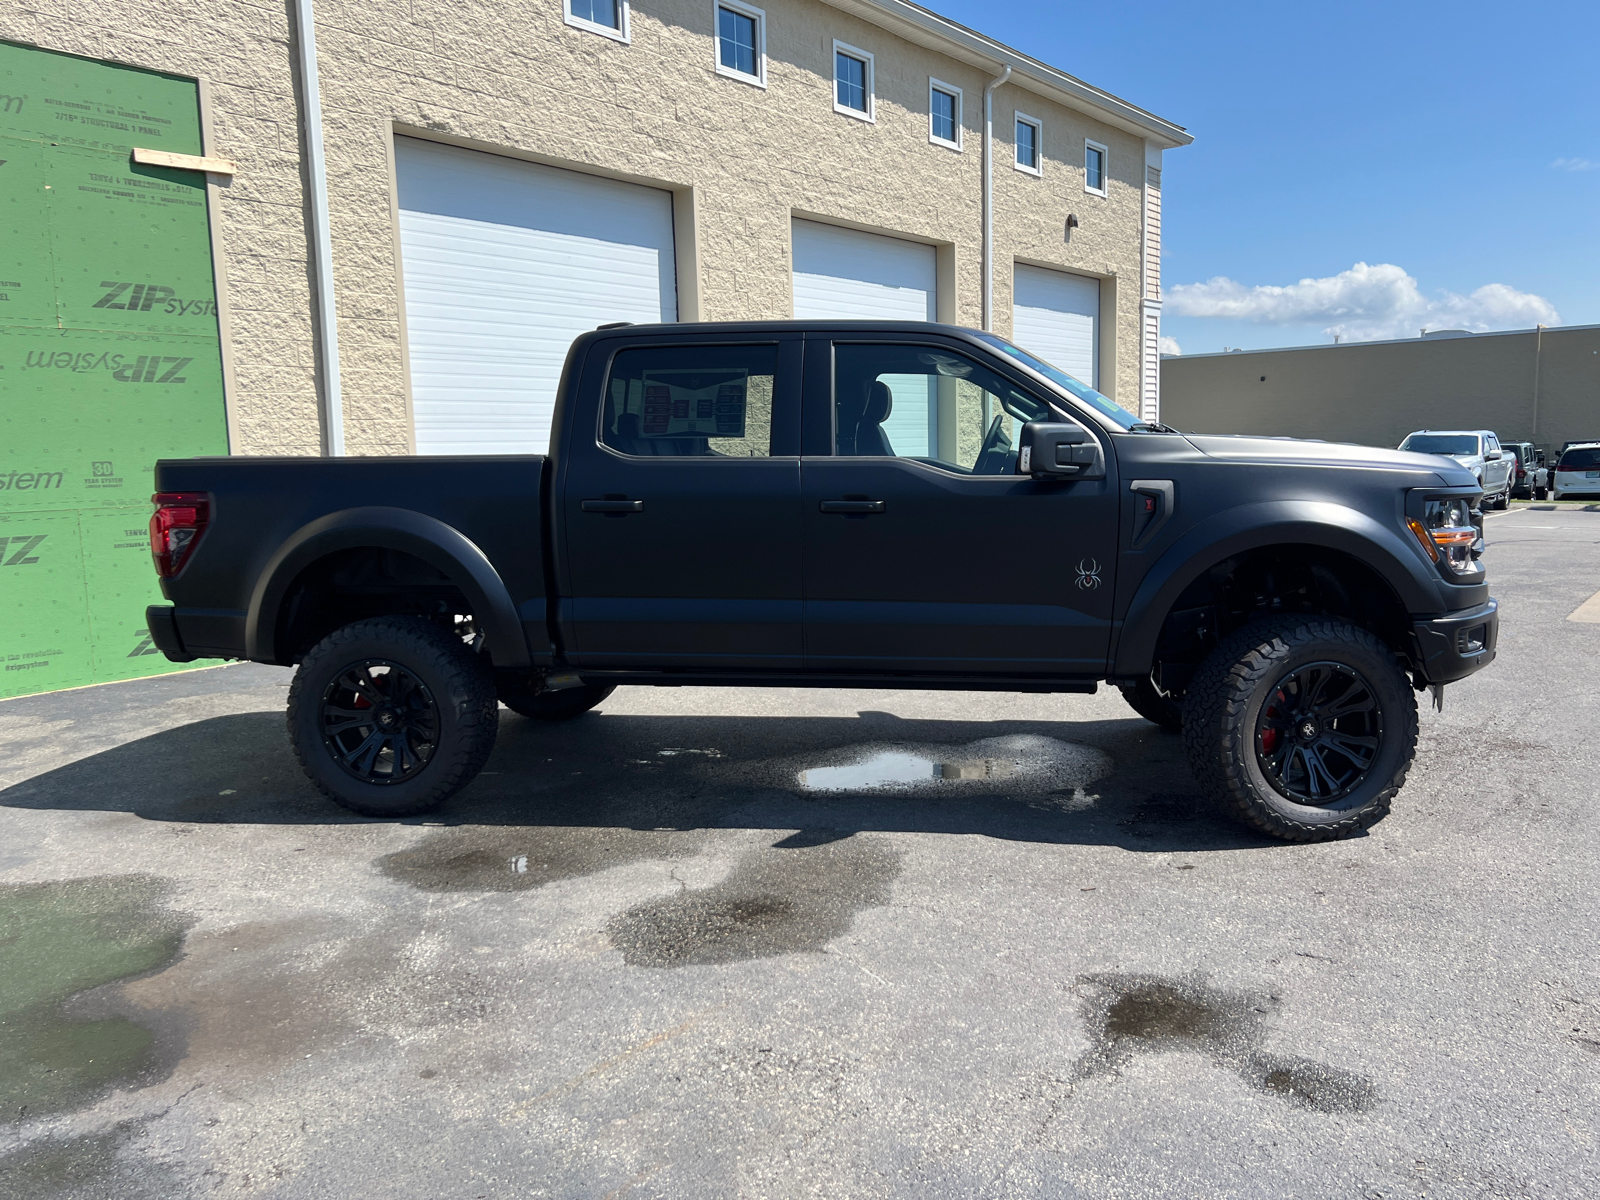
(109, 356)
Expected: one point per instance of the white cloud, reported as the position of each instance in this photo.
(1575, 164)
(1362, 304)
(1168, 345)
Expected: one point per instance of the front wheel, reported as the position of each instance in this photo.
(1303, 728)
(392, 716)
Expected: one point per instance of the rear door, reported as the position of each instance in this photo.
(680, 506)
(924, 551)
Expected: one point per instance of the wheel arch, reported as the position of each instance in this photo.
(1260, 527)
(442, 547)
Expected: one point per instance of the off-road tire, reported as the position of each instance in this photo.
(1224, 703)
(1150, 704)
(462, 690)
(557, 706)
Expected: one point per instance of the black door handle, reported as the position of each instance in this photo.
(852, 506)
(612, 506)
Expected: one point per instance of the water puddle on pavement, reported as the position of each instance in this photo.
(1018, 761)
(777, 901)
(1131, 1015)
(58, 940)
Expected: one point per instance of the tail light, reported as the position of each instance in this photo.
(1521, 474)
(175, 528)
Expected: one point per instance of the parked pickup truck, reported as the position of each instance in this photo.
(857, 504)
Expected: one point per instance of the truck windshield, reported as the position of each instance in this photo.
(1441, 443)
(1101, 404)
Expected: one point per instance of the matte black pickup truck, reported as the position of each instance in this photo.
(855, 504)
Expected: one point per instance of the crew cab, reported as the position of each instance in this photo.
(853, 504)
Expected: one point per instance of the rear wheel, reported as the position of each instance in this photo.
(392, 716)
(1303, 728)
(1150, 704)
(557, 706)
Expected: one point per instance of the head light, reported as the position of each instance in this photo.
(1448, 534)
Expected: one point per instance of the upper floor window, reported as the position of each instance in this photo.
(1094, 168)
(1028, 138)
(742, 42)
(852, 81)
(944, 114)
(608, 17)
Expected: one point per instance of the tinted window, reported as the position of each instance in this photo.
(928, 403)
(1580, 460)
(691, 402)
(1441, 443)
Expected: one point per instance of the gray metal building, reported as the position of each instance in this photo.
(1539, 385)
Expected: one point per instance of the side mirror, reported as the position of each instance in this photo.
(1493, 456)
(1057, 450)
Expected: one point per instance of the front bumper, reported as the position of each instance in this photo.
(1453, 646)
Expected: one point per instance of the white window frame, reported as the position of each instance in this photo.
(865, 56)
(949, 89)
(1022, 118)
(1105, 168)
(759, 16)
(617, 35)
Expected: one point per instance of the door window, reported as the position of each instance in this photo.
(928, 403)
(690, 402)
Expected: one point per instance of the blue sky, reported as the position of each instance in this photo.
(1450, 147)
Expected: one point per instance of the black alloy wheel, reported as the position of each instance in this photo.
(1319, 733)
(380, 722)
(391, 716)
(1302, 727)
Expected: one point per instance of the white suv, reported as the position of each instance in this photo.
(1479, 451)
(1578, 472)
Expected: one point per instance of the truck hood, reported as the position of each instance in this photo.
(1244, 448)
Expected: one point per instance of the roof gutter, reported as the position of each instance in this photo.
(988, 198)
(321, 242)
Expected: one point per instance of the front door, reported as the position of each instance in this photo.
(681, 508)
(924, 551)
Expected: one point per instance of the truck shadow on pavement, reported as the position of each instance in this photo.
(1118, 782)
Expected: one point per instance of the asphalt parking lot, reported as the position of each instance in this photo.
(695, 945)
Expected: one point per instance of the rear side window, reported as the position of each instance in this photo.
(1580, 460)
(690, 402)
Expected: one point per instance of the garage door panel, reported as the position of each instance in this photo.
(1056, 315)
(848, 275)
(505, 262)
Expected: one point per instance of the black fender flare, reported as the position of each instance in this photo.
(1250, 527)
(435, 543)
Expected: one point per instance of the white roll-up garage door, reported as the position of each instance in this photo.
(844, 274)
(505, 262)
(1057, 316)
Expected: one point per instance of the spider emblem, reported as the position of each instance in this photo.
(1088, 574)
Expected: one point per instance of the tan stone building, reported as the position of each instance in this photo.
(1528, 385)
(499, 176)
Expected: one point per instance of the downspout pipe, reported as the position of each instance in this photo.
(988, 196)
(321, 243)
